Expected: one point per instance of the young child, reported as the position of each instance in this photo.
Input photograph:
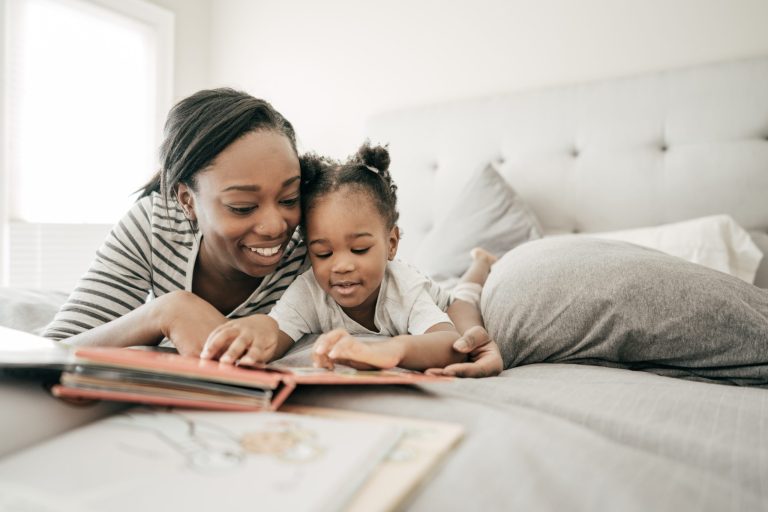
(356, 287)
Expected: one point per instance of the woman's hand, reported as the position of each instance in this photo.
(338, 346)
(483, 353)
(186, 320)
(248, 340)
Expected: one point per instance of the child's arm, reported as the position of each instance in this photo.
(415, 352)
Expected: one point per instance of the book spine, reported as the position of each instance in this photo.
(282, 393)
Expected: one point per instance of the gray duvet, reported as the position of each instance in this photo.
(553, 437)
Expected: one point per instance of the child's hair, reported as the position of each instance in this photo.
(366, 170)
(201, 126)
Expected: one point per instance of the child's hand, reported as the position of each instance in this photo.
(338, 346)
(248, 340)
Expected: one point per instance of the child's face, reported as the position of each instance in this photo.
(349, 246)
(247, 205)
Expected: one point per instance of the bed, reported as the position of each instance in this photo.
(569, 429)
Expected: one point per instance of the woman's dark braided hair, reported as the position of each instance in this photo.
(366, 170)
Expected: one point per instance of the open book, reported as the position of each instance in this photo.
(153, 459)
(165, 378)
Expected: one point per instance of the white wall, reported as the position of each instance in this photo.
(192, 53)
(328, 65)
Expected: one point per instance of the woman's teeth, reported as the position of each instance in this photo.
(265, 251)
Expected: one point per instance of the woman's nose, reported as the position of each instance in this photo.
(270, 224)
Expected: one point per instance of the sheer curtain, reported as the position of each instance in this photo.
(87, 84)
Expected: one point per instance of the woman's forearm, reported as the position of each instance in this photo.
(142, 326)
(181, 316)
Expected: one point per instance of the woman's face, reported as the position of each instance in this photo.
(246, 205)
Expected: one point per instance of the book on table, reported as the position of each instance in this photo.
(167, 378)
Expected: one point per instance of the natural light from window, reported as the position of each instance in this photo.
(82, 105)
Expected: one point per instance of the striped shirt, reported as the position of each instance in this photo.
(149, 253)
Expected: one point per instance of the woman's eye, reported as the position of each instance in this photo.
(241, 210)
(360, 251)
(293, 201)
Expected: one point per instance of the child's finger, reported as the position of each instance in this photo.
(326, 341)
(322, 361)
(236, 349)
(217, 341)
(257, 352)
(347, 346)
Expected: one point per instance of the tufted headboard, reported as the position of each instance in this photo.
(617, 154)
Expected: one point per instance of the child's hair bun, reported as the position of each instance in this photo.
(373, 156)
(311, 164)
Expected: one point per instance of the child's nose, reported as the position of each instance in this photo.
(342, 265)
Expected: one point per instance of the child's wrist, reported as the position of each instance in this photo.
(400, 344)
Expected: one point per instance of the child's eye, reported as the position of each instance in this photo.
(323, 255)
(360, 251)
(241, 210)
(293, 201)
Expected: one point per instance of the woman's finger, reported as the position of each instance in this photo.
(472, 338)
(471, 370)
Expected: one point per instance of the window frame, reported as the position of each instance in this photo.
(158, 18)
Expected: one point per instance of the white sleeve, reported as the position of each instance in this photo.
(425, 314)
(295, 312)
(439, 295)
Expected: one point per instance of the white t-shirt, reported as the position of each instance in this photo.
(408, 303)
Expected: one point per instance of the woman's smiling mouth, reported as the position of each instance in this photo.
(266, 251)
(264, 255)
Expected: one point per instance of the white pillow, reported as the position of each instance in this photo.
(716, 242)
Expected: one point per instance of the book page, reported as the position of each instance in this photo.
(408, 465)
(155, 459)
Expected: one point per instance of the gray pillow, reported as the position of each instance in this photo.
(488, 214)
(584, 300)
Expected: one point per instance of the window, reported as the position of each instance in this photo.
(87, 85)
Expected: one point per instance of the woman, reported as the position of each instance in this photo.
(211, 242)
